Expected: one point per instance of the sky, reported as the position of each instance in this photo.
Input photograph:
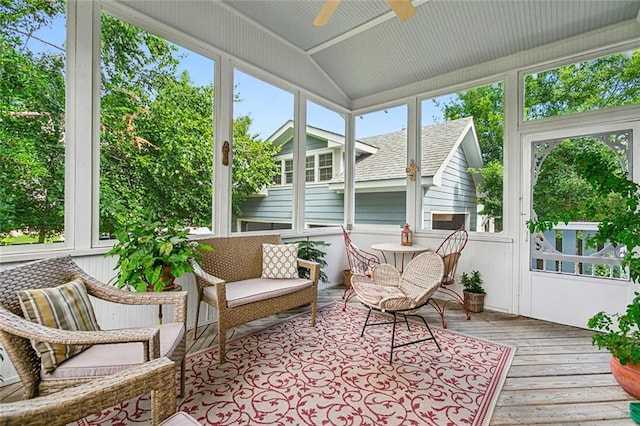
(269, 106)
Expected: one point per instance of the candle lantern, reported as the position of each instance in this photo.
(406, 236)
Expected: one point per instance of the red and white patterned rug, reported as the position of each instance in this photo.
(293, 374)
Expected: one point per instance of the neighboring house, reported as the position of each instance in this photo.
(449, 191)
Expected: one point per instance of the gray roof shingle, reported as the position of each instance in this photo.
(390, 160)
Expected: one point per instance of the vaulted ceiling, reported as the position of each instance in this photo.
(365, 54)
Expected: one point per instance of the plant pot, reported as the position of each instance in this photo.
(347, 278)
(627, 376)
(474, 301)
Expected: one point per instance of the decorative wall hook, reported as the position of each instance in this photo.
(411, 170)
(225, 153)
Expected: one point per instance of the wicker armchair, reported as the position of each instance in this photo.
(450, 250)
(16, 332)
(230, 280)
(76, 402)
(389, 291)
(360, 262)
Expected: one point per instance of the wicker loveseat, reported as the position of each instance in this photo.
(230, 280)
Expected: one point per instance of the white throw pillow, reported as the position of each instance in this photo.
(279, 260)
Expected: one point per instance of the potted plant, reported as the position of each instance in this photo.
(473, 291)
(621, 337)
(308, 250)
(153, 255)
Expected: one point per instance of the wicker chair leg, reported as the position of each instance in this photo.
(195, 327)
(222, 343)
(313, 313)
(182, 377)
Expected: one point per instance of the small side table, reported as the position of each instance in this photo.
(398, 250)
(175, 287)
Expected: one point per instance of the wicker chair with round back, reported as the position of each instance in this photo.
(97, 353)
(360, 262)
(389, 291)
(450, 250)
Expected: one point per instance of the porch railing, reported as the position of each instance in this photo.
(565, 250)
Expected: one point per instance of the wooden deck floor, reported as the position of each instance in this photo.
(557, 376)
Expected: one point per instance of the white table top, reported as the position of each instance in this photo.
(399, 248)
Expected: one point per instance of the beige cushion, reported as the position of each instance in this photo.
(65, 307)
(178, 419)
(279, 260)
(372, 294)
(107, 359)
(256, 289)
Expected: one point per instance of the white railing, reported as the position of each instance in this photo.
(565, 250)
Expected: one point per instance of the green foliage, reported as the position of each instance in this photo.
(152, 255)
(620, 215)
(621, 334)
(254, 165)
(32, 102)
(486, 105)
(600, 83)
(309, 250)
(156, 131)
(472, 282)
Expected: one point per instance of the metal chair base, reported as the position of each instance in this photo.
(393, 331)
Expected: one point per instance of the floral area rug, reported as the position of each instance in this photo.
(293, 374)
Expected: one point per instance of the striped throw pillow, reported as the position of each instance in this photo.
(66, 307)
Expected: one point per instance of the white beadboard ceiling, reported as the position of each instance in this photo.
(364, 51)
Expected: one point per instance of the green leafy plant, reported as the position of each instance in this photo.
(152, 255)
(472, 282)
(621, 334)
(309, 250)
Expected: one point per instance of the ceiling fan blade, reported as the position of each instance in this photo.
(326, 12)
(403, 8)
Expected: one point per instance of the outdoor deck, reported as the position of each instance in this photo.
(557, 376)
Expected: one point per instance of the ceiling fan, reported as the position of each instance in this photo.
(402, 8)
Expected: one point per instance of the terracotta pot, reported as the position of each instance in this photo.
(627, 376)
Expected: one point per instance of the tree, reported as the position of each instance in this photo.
(485, 105)
(156, 139)
(596, 84)
(32, 100)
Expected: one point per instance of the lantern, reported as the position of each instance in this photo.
(406, 236)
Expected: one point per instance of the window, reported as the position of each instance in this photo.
(450, 221)
(462, 157)
(381, 160)
(310, 170)
(32, 122)
(325, 166)
(288, 171)
(262, 150)
(324, 199)
(156, 120)
(599, 83)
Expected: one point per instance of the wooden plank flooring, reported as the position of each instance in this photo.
(557, 376)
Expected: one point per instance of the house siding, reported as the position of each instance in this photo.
(326, 207)
(313, 143)
(386, 208)
(456, 194)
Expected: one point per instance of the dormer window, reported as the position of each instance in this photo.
(318, 168)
